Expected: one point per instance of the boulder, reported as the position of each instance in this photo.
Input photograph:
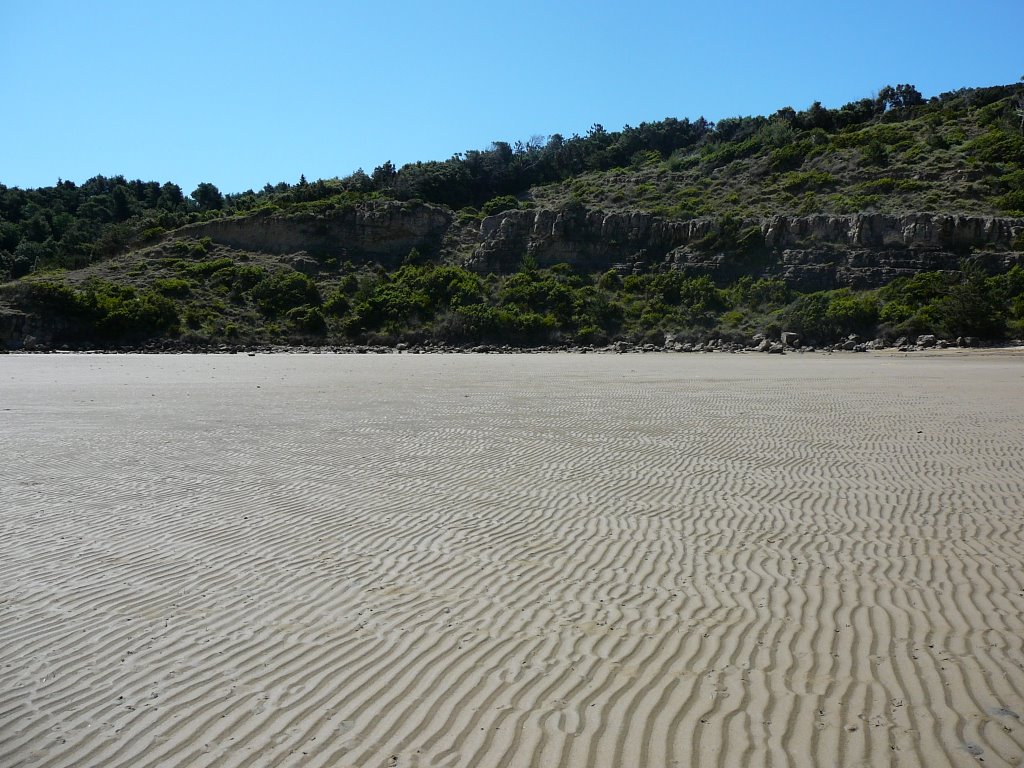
(790, 339)
(926, 340)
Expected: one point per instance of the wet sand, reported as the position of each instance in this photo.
(534, 560)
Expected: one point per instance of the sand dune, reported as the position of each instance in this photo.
(511, 561)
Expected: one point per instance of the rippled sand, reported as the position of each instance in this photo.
(548, 560)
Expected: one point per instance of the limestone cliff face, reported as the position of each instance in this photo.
(810, 252)
(384, 232)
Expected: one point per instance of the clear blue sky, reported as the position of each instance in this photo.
(244, 93)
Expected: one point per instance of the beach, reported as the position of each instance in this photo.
(512, 560)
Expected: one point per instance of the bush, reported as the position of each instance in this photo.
(794, 182)
(826, 316)
(173, 286)
(284, 290)
(205, 268)
(499, 204)
(754, 294)
(307, 319)
(124, 314)
(193, 248)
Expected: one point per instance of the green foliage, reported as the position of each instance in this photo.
(998, 146)
(208, 197)
(283, 290)
(499, 204)
(124, 313)
(875, 153)
(1012, 202)
(609, 281)
(104, 311)
(887, 185)
(337, 304)
(951, 305)
(755, 294)
(479, 322)
(806, 180)
(205, 268)
(791, 156)
(828, 315)
(173, 286)
(193, 248)
(307, 320)
(731, 236)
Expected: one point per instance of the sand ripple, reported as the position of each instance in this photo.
(511, 561)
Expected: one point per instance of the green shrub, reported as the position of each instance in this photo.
(193, 248)
(755, 294)
(1012, 202)
(806, 180)
(499, 204)
(791, 156)
(307, 319)
(173, 286)
(205, 268)
(152, 233)
(337, 304)
(284, 290)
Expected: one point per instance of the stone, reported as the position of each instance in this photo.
(776, 348)
(926, 340)
(790, 339)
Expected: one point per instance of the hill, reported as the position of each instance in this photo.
(891, 216)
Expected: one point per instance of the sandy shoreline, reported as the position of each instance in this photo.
(514, 560)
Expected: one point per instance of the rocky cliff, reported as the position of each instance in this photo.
(382, 232)
(808, 252)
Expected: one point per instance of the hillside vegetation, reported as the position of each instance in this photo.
(107, 263)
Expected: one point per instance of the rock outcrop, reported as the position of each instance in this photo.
(809, 253)
(383, 232)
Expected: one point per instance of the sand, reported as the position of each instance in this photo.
(548, 560)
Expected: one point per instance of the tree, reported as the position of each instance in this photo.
(384, 175)
(170, 198)
(901, 98)
(208, 197)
